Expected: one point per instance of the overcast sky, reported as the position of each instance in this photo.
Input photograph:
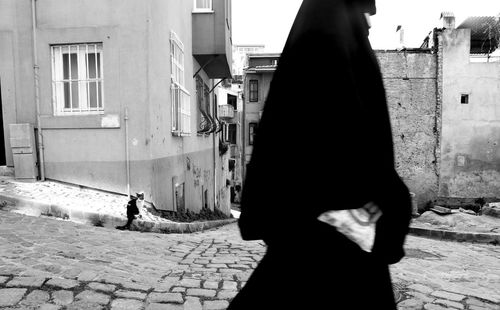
(268, 21)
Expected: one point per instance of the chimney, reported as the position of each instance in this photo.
(401, 36)
(448, 20)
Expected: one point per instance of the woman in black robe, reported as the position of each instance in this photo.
(324, 143)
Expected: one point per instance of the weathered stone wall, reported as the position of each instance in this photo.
(410, 79)
(470, 166)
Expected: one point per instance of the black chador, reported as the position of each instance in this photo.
(324, 143)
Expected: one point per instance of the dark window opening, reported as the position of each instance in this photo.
(231, 133)
(231, 164)
(232, 100)
(464, 99)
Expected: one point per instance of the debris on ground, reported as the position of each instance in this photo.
(492, 209)
(441, 210)
(458, 221)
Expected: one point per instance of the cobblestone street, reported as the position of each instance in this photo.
(54, 264)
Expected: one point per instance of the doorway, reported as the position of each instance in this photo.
(3, 159)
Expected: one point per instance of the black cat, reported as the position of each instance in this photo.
(133, 209)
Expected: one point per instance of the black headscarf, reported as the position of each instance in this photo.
(324, 141)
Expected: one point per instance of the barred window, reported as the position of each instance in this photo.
(203, 5)
(254, 90)
(181, 102)
(77, 79)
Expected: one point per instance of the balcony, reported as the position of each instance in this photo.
(226, 112)
(212, 46)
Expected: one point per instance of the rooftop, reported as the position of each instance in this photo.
(485, 33)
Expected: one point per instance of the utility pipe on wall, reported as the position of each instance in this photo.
(214, 137)
(37, 92)
(127, 154)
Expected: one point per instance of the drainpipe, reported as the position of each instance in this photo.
(37, 92)
(214, 136)
(127, 154)
(243, 137)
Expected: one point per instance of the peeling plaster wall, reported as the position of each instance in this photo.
(471, 132)
(410, 79)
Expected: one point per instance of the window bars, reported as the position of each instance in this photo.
(181, 103)
(203, 5)
(77, 79)
(254, 90)
(181, 110)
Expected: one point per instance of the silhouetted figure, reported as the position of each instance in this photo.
(325, 143)
(132, 209)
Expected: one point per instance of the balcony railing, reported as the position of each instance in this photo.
(226, 111)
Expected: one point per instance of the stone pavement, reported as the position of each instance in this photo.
(53, 264)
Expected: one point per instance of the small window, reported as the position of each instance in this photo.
(254, 90)
(203, 5)
(464, 99)
(252, 129)
(77, 79)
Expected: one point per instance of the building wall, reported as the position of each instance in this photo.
(253, 109)
(240, 53)
(470, 166)
(187, 159)
(60, 22)
(90, 150)
(410, 81)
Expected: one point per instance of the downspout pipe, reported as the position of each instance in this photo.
(243, 137)
(36, 70)
(127, 153)
(214, 139)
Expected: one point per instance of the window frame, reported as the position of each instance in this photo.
(252, 128)
(180, 97)
(82, 80)
(254, 92)
(464, 98)
(209, 9)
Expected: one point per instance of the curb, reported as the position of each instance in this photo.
(38, 208)
(460, 236)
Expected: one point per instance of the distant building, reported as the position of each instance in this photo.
(115, 79)
(257, 80)
(240, 53)
(470, 141)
